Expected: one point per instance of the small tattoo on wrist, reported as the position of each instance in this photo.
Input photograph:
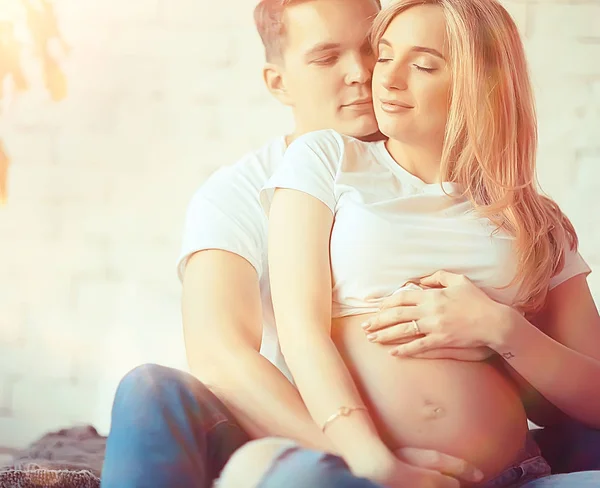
(508, 355)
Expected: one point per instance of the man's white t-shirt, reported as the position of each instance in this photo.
(225, 214)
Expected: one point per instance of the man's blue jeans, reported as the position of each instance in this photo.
(168, 430)
(304, 468)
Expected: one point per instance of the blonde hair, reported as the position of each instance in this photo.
(270, 24)
(490, 141)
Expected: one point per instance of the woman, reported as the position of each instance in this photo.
(452, 188)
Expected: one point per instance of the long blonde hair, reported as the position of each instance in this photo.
(490, 141)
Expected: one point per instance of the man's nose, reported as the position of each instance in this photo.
(360, 70)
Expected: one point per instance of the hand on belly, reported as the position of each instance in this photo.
(444, 311)
(465, 409)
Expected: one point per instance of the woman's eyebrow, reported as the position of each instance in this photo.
(420, 49)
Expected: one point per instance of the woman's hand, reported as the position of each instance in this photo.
(449, 316)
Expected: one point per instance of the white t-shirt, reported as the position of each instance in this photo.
(390, 227)
(225, 214)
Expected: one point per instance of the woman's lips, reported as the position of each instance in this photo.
(394, 106)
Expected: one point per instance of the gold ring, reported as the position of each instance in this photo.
(416, 328)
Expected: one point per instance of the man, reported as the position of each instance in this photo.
(173, 429)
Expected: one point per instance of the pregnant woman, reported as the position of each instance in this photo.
(452, 188)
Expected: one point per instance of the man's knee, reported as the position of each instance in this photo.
(250, 463)
(146, 382)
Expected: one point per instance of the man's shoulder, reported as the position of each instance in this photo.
(260, 162)
(249, 173)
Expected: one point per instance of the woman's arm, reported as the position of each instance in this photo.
(561, 358)
(299, 231)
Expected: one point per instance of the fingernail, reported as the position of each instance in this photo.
(371, 337)
(394, 352)
(477, 475)
(365, 325)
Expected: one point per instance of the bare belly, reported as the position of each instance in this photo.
(466, 409)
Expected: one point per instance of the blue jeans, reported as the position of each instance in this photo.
(168, 430)
(296, 467)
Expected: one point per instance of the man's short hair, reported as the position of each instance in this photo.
(268, 17)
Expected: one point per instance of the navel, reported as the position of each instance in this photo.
(433, 410)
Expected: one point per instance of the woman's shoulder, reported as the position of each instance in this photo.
(329, 146)
(327, 142)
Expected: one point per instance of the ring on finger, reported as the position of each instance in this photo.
(416, 329)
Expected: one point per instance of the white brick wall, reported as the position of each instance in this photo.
(160, 94)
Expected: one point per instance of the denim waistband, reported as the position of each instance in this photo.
(528, 465)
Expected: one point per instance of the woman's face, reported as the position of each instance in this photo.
(411, 80)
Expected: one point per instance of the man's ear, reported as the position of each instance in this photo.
(275, 81)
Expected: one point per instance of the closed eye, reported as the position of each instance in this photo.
(326, 61)
(422, 68)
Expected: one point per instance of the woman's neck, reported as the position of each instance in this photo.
(423, 161)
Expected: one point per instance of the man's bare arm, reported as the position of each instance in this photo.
(539, 410)
(222, 322)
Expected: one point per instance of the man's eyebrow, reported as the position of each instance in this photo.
(419, 49)
(322, 47)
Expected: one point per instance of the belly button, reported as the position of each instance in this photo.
(432, 412)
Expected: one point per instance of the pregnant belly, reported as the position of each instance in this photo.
(466, 409)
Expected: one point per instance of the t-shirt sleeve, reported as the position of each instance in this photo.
(224, 214)
(574, 265)
(310, 165)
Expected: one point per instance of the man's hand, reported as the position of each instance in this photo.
(442, 463)
(467, 354)
(412, 467)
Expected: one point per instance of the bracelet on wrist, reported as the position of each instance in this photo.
(341, 412)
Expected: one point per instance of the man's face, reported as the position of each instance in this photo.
(327, 65)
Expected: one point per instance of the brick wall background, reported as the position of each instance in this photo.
(162, 93)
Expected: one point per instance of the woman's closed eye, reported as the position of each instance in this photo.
(423, 68)
(417, 66)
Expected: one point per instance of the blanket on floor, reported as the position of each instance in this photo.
(68, 458)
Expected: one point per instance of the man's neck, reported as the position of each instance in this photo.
(377, 136)
(423, 161)
(290, 138)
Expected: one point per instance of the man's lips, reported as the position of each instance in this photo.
(362, 101)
